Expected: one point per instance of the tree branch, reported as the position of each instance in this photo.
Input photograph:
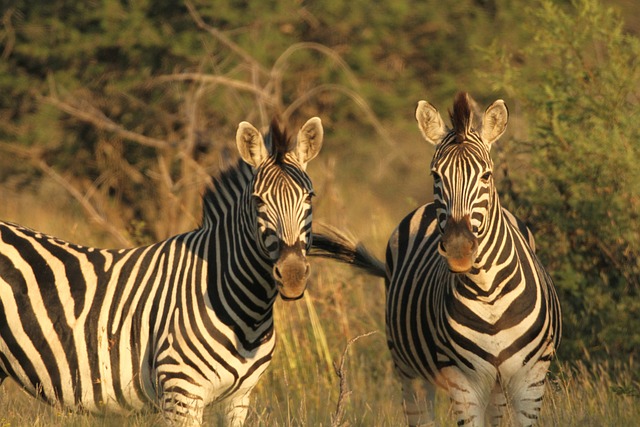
(104, 123)
(34, 156)
(225, 81)
(222, 38)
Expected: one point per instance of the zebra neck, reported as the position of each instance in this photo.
(496, 268)
(241, 287)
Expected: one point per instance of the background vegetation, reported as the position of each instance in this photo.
(114, 114)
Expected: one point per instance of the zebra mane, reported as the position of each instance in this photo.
(462, 116)
(226, 189)
(277, 141)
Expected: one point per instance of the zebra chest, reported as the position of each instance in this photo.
(220, 359)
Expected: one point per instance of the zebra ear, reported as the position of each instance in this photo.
(430, 122)
(494, 122)
(250, 144)
(309, 140)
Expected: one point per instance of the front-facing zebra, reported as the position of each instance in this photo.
(175, 325)
(469, 307)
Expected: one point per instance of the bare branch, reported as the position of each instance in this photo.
(224, 39)
(225, 81)
(104, 123)
(341, 372)
(36, 159)
(330, 53)
(355, 97)
(10, 34)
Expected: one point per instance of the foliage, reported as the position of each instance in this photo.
(578, 84)
(116, 100)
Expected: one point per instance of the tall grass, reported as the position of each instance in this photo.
(301, 386)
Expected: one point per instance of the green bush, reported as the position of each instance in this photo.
(579, 184)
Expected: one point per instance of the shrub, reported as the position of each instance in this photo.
(579, 184)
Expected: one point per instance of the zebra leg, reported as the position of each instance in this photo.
(418, 400)
(497, 405)
(527, 389)
(469, 397)
(181, 408)
(527, 399)
(236, 409)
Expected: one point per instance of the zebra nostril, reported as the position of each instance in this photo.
(277, 274)
(441, 248)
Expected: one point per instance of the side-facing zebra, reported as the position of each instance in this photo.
(469, 307)
(175, 325)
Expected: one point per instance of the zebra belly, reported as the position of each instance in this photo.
(64, 370)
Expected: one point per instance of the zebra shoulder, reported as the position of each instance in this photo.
(521, 227)
(418, 225)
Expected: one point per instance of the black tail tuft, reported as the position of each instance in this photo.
(335, 244)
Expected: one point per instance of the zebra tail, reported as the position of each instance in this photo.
(337, 245)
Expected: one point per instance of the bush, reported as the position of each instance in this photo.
(580, 185)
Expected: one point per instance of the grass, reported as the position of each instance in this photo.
(301, 386)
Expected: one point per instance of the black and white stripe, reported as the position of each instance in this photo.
(469, 307)
(178, 324)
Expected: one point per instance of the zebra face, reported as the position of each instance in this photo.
(283, 224)
(464, 192)
(281, 201)
(462, 196)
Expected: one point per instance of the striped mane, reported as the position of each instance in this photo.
(462, 117)
(277, 141)
(226, 189)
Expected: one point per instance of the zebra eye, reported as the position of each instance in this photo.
(486, 177)
(258, 201)
(436, 177)
(310, 196)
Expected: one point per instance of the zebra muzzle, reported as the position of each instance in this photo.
(291, 272)
(458, 245)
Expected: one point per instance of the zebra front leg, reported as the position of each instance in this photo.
(526, 389)
(236, 409)
(497, 405)
(179, 406)
(527, 393)
(418, 401)
(469, 395)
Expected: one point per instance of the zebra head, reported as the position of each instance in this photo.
(281, 198)
(462, 168)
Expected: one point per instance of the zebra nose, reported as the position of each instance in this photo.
(291, 272)
(458, 245)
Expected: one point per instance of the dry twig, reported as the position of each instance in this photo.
(35, 157)
(341, 372)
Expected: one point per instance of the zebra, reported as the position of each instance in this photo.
(176, 325)
(469, 307)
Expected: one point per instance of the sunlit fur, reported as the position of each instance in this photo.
(481, 335)
(175, 325)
